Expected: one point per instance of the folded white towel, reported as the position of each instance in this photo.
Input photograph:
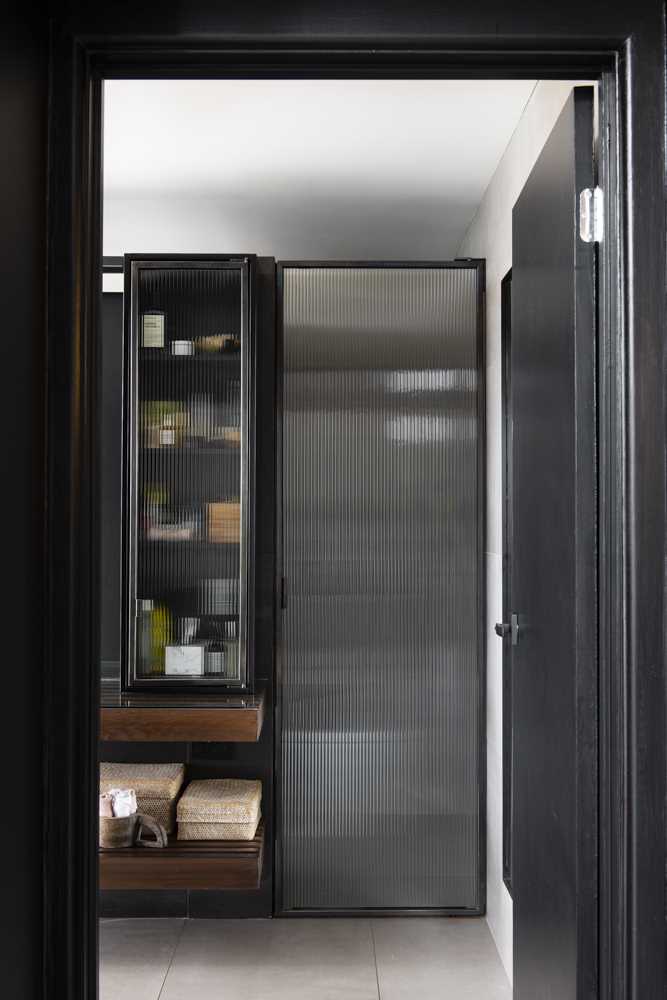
(106, 806)
(124, 801)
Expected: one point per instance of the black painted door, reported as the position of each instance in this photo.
(554, 689)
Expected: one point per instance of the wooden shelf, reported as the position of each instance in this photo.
(185, 864)
(181, 718)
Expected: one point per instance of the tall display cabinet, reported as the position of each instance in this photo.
(189, 459)
(187, 661)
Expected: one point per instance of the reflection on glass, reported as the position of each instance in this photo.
(185, 503)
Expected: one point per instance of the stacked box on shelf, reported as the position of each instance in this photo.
(157, 787)
(224, 522)
(220, 809)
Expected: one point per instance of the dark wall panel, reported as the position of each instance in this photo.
(23, 82)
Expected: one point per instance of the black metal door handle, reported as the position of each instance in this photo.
(503, 629)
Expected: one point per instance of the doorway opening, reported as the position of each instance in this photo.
(194, 171)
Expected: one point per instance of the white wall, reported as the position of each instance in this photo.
(294, 223)
(301, 168)
(490, 236)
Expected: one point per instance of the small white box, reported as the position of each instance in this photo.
(184, 661)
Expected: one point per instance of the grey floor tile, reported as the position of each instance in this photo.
(438, 958)
(135, 956)
(288, 959)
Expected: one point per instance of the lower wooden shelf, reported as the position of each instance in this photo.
(185, 864)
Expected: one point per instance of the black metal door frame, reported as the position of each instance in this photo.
(625, 52)
(283, 587)
(506, 535)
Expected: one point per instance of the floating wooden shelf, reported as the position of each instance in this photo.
(185, 864)
(181, 718)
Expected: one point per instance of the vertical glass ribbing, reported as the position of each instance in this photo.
(186, 488)
(380, 695)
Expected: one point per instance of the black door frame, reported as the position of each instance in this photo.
(506, 536)
(479, 266)
(626, 53)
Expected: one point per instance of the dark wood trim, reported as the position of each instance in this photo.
(205, 864)
(586, 526)
(373, 58)
(216, 724)
(71, 694)
(626, 45)
(616, 944)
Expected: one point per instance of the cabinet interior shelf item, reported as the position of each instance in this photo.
(183, 864)
(217, 718)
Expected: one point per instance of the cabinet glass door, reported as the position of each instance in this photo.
(186, 463)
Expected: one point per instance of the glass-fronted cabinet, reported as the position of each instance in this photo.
(187, 462)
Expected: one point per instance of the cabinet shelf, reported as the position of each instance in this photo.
(156, 365)
(200, 543)
(185, 864)
(180, 718)
(174, 453)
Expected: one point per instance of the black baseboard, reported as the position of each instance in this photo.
(117, 903)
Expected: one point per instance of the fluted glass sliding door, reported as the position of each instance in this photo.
(381, 670)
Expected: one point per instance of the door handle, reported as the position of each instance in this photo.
(503, 629)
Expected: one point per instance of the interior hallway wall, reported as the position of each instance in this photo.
(490, 236)
(293, 225)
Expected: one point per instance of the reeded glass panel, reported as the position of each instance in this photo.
(382, 673)
(187, 432)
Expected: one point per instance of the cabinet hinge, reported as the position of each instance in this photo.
(591, 215)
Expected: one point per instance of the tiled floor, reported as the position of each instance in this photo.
(421, 958)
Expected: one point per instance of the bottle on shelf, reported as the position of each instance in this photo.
(144, 634)
(161, 637)
(231, 644)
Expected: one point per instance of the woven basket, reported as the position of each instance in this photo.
(126, 831)
(217, 831)
(156, 787)
(220, 809)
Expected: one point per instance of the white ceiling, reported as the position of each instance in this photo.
(374, 165)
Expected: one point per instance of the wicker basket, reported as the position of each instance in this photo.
(156, 785)
(126, 831)
(220, 809)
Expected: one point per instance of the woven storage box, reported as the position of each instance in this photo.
(156, 785)
(224, 521)
(220, 809)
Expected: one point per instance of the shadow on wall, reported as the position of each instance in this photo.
(290, 227)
